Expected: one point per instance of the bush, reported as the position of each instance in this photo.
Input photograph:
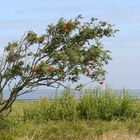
(88, 105)
(93, 104)
(62, 108)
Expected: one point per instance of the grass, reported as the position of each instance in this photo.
(93, 104)
(95, 115)
(76, 130)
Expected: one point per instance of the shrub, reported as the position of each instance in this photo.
(93, 104)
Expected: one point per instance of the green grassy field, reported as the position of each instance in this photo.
(99, 115)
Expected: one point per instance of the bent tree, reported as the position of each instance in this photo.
(67, 48)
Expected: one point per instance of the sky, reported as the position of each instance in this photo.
(16, 17)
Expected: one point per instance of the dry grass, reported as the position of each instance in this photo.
(118, 136)
(106, 136)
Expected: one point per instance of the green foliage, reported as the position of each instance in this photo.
(62, 108)
(93, 104)
(67, 45)
(70, 119)
(6, 123)
(106, 105)
(61, 130)
(67, 49)
(88, 105)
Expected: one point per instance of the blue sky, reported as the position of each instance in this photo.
(16, 17)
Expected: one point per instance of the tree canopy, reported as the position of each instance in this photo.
(67, 49)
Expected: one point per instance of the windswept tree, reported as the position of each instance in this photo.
(66, 50)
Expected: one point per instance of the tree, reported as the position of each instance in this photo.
(67, 49)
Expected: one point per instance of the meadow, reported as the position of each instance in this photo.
(96, 114)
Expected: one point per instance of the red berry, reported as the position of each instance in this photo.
(61, 72)
(68, 30)
(72, 23)
(87, 74)
(103, 23)
(51, 69)
(65, 26)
